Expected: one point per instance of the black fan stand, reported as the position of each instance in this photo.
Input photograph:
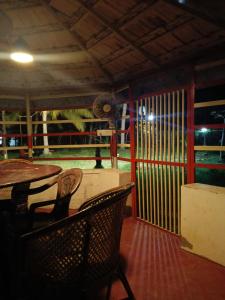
(98, 161)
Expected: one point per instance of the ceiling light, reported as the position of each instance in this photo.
(20, 52)
(21, 57)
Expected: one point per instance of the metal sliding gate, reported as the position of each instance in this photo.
(161, 156)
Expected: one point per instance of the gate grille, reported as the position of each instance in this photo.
(161, 157)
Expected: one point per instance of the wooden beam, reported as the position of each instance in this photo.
(64, 121)
(12, 97)
(196, 12)
(26, 31)
(67, 95)
(18, 4)
(134, 13)
(210, 64)
(209, 103)
(209, 148)
(80, 42)
(119, 33)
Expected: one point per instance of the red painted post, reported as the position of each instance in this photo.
(132, 152)
(190, 134)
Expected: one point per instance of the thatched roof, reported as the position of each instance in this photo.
(88, 47)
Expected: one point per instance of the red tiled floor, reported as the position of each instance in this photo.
(158, 269)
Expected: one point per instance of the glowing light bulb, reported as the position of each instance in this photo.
(22, 57)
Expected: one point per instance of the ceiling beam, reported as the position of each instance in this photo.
(69, 95)
(194, 11)
(80, 42)
(118, 33)
(18, 4)
(134, 13)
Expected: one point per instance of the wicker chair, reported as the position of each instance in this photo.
(77, 253)
(68, 181)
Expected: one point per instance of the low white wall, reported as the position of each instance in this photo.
(203, 220)
(94, 181)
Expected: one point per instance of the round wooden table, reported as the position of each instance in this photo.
(20, 175)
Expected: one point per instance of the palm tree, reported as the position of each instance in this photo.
(76, 115)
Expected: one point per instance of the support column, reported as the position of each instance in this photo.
(29, 128)
(190, 134)
(132, 151)
(5, 152)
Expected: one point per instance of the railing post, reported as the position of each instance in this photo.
(29, 127)
(5, 152)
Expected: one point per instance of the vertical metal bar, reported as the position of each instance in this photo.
(169, 159)
(182, 138)
(149, 131)
(160, 158)
(165, 159)
(160, 127)
(153, 158)
(177, 227)
(190, 134)
(143, 199)
(132, 152)
(149, 165)
(173, 211)
(157, 158)
(147, 154)
(143, 195)
(141, 128)
(145, 129)
(138, 155)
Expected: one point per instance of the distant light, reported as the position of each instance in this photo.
(204, 130)
(151, 117)
(181, 1)
(21, 57)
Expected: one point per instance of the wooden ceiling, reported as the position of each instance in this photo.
(92, 46)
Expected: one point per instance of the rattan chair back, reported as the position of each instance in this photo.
(79, 251)
(68, 182)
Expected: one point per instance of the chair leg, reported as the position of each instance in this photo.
(125, 283)
(109, 287)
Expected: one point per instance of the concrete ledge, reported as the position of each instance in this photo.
(94, 181)
(203, 220)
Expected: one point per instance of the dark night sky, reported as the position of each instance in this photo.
(203, 115)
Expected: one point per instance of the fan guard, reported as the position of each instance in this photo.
(104, 107)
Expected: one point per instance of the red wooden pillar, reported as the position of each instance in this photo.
(190, 134)
(132, 151)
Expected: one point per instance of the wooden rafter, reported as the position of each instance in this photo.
(197, 13)
(133, 14)
(119, 33)
(80, 42)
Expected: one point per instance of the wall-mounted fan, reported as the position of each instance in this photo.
(104, 106)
